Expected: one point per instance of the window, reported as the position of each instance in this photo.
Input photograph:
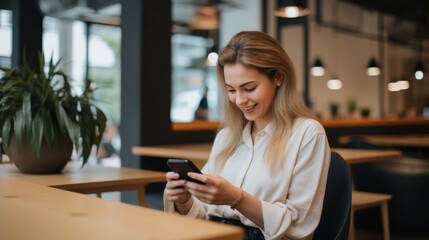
(90, 51)
(104, 68)
(6, 39)
(192, 78)
(68, 40)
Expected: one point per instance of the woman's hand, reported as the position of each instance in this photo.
(217, 190)
(176, 192)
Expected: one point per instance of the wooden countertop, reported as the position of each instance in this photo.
(200, 152)
(404, 140)
(91, 179)
(74, 178)
(327, 123)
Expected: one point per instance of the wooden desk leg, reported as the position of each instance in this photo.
(141, 195)
(98, 195)
(352, 224)
(385, 218)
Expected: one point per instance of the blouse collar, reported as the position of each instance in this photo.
(247, 136)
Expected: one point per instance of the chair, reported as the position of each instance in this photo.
(363, 200)
(335, 220)
(394, 178)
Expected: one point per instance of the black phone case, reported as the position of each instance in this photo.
(182, 167)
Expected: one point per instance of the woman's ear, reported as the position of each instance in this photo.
(278, 82)
(278, 79)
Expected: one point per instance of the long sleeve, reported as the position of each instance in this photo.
(298, 216)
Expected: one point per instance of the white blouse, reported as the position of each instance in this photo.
(291, 194)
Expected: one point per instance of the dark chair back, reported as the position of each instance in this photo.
(335, 219)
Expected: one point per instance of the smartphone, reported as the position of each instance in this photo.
(182, 167)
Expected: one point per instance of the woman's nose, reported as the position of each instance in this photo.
(241, 99)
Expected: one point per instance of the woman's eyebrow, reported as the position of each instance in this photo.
(242, 85)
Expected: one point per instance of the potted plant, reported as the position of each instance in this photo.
(351, 107)
(41, 116)
(365, 112)
(333, 108)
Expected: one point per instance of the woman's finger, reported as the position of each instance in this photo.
(198, 176)
(175, 184)
(172, 176)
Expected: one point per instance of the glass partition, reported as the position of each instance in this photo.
(194, 88)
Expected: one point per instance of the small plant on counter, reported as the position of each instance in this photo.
(365, 112)
(334, 108)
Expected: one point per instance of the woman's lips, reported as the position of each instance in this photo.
(248, 109)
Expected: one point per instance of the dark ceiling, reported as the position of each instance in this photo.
(416, 11)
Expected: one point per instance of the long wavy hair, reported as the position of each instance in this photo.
(259, 51)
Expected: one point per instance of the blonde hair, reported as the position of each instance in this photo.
(261, 52)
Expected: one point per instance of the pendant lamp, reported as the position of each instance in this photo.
(318, 69)
(420, 70)
(292, 8)
(212, 57)
(334, 83)
(373, 68)
(205, 18)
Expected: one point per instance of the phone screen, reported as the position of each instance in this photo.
(182, 167)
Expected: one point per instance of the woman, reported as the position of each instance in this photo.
(268, 167)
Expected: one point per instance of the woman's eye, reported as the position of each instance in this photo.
(250, 89)
(231, 91)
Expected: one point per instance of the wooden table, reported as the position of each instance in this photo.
(352, 156)
(37, 212)
(200, 153)
(91, 179)
(413, 141)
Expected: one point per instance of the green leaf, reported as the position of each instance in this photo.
(49, 130)
(36, 135)
(19, 128)
(26, 110)
(101, 124)
(6, 135)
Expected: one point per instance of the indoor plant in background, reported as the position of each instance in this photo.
(333, 108)
(365, 112)
(351, 107)
(42, 118)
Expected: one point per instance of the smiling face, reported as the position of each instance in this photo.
(252, 92)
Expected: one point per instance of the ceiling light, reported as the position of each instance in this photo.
(212, 59)
(403, 84)
(393, 87)
(373, 68)
(334, 83)
(420, 70)
(318, 69)
(292, 8)
(205, 18)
